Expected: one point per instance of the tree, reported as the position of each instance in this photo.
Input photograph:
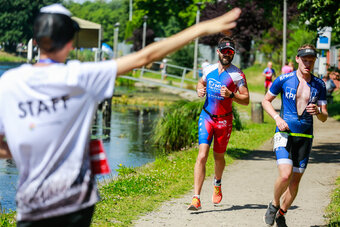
(162, 14)
(105, 13)
(17, 19)
(183, 57)
(250, 25)
(321, 13)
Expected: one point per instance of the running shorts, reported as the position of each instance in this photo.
(267, 83)
(296, 153)
(219, 129)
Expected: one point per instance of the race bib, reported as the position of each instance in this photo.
(280, 139)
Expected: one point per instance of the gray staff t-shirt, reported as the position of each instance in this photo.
(46, 114)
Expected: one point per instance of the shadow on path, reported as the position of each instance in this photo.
(238, 207)
(321, 153)
(325, 153)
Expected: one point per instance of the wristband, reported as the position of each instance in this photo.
(232, 95)
(276, 116)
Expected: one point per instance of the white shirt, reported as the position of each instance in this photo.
(46, 115)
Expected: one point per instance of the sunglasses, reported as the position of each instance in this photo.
(227, 51)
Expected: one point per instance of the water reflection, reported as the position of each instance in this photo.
(126, 133)
(8, 181)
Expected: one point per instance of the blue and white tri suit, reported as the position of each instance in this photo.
(298, 147)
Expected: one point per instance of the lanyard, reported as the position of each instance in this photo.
(47, 61)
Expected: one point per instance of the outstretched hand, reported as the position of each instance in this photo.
(222, 23)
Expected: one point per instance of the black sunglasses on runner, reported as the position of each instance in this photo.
(227, 51)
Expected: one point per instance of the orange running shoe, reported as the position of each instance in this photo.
(195, 204)
(217, 195)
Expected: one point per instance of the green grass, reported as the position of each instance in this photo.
(6, 57)
(134, 194)
(334, 108)
(333, 209)
(255, 79)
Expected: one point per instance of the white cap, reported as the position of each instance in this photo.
(56, 8)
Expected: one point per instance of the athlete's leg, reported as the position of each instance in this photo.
(219, 165)
(199, 172)
(291, 192)
(282, 182)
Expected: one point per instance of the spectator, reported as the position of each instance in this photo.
(286, 68)
(330, 87)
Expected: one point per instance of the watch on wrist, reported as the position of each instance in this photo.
(319, 108)
(232, 95)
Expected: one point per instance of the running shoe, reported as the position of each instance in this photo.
(217, 195)
(281, 221)
(269, 217)
(195, 204)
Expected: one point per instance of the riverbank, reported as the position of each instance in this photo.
(9, 58)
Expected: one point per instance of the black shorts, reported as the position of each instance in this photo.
(79, 218)
(296, 153)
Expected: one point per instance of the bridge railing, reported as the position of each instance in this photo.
(164, 74)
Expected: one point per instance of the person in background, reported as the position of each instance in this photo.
(291, 65)
(286, 68)
(46, 111)
(205, 63)
(303, 96)
(330, 86)
(268, 74)
(222, 84)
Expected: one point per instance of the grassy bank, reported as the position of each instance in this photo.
(334, 108)
(6, 57)
(333, 209)
(141, 190)
(254, 78)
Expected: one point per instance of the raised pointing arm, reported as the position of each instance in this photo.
(162, 48)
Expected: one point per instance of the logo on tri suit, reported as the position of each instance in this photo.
(214, 85)
(290, 93)
(222, 124)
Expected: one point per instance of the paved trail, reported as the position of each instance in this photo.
(247, 187)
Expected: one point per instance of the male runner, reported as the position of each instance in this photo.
(46, 111)
(303, 95)
(220, 82)
(268, 73)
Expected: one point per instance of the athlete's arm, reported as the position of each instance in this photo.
(241, 98)
(313, 109)
(201, 88)
(4, 150)
(268, 107)
(160, 49)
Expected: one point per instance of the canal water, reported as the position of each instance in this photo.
(125, 133)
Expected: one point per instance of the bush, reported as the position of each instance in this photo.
(179, 127)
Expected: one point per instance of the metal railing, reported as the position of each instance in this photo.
(163, 72)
